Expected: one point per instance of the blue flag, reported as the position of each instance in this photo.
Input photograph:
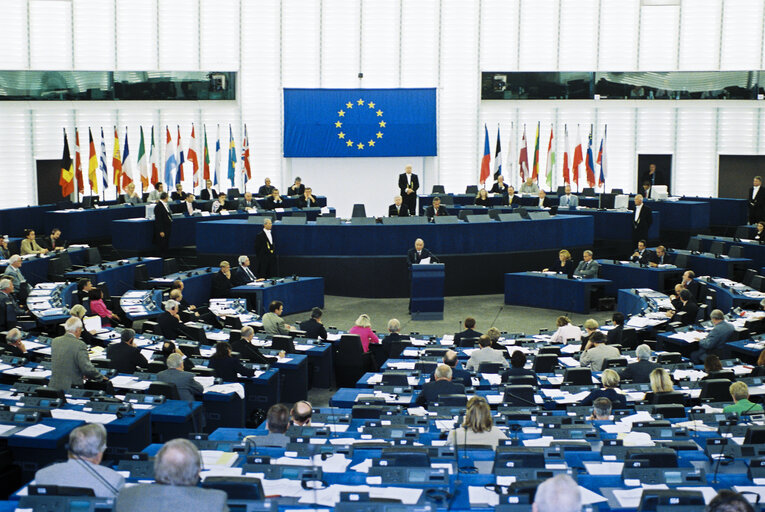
(359, 122)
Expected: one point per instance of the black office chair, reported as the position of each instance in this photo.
(471, 190)
(748, 275)
(717, 248)
(617, 191)
(758, 283)
(350, 361)
(468, 342)
(463, 214)
(669, 358)
(232, 322)
(736, 251)
(447, 400)
(166, 389)
(359, 210)
(494, 214)
(406, 456)
(545, 363)
(716, 390)
(395, 379)
(141, 277)
(671, 397)
(280, 342)
(681, 261)
(702, 314)
(588, 191)
(237, 488)
(617, 362)
(438, 189)
(232, 193)
(730, 375)
(150, 327)
(425, 367)
(93, 257)
(519, 395)
(694, 244)
(578, 376)
(170, 266)
(56, 269)
(669, 411)
(522, 380)
(561, 190)
(629, 338)
(490, 367)
(234, 335)
(743, 232)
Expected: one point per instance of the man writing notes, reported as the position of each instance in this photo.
(408, 183)
(419, 253)
(641, 220)
(756, 201)
(398, 208)
(587, 268)
(264, 250)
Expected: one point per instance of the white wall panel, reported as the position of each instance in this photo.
(179, 35)
(419, 43)
(695, 163)
(741, 35)
(658, 37)
(379, 43)
(578, 35)
(94, 36)
(539, 35)
(340, 39)
(136, 35)
(300, 43)
(16, 147)
(50, 38)
(618, 42)
(14, 39)
(699, 34)
(499, 35)
(219, 32)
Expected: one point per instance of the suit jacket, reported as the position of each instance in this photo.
(413, 258)
(479, 201)
(617, 399)
(30, 247)
(517, 372)
(48, 243)
(431, 212)
(163, 220)
(643, 259)
(640, 371)
(756, 205)
(227, 368)
(597, 355)
(693, 287)
(656, 260)
(546, 202)
(403, 183)
(274, 324)
(433, 389)
(402, 211)
(250, 352)
(240, 277)
(511, 200)
(244, 203)
(642, 224)
(485, 355)
(271, 203)
(690, 309)
(718, 336)
(161, 498)
(172, 328)
(125, 358)
(567, 268)
(587, 269)
(70, 363)
(265, 190)
(313, 329)
(296, 191)
(302, 202)
(188, 388)
(570, 201)
(496, 190)
(466, 334)
(79, 473)
(207, 195)
(178, 196)
(614, 336)
(221, 286)
(264, 253)
(11, 350)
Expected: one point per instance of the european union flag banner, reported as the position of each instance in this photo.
(359, 122)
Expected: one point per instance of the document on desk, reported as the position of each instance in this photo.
(88, 417)
(425, 261)
(35, 430)
(494, 379)
(216, 336)
(218, 458)
(570, 362)
(23, 371)
(689, 337)
(573, 398)
(401, 365)
(127, 382)
(630, 498)
(481, 495)
(6, 428)
(226, 389)
(604, 468)
(206, 382)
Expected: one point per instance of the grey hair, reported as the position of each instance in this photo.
(13, 259)
(717, 315)
(247, 331)
(394, 325)
(126, 335)
(178, 462)
(72, 325)
(588, 252)
(77, 310)
(643, 352)
(558, 494)
(6, 283)
(174, 360)
(443, 372)
(13, 335)
(242, 259)
(602, 406)
(88, 440)
(171, 304)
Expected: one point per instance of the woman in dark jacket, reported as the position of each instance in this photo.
(225, 365)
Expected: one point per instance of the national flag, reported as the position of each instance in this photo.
(66, 180)
(143, 163)
(589, 163)
(535, 171)
(246, 171)
(127, 166)
(179, 177)
(92, 164)
(602, 160)
(102, 162)
(218, 158)
(78, 163)
(523, 159)
(550, 160)
(117, 161)
(231, 157)
(154, 158)
(171, 164)
(192, 154)
(497, 159)
(566, 176)
(578, 158)
(206, 159)
(486, 160)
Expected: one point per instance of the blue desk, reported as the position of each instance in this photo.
(616, 225)
(302, 295)
(13, 221)
(176, 418)
(724, 211)
(132, 303)
(746, 354)
(629, 303)
(119, 276)
(708, 265)
(751, 250)
(58, 297)
(548, 291)
(84, 225)
(685, 216)
(36, 269)
(262, 392)
(632, 275)
(346, 397)
(197, 284)
(33, 453)
(426, 200)
(294, 378)
(727, 298)
(137, 235)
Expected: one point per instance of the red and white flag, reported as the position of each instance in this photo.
(523, 159)
(566, 176)
(192, 154)
(578, 158)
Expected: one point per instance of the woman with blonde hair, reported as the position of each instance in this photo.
(363, 327)
(661, 383)
(610, 381)
(482, 198)
(478, 426)
(565, 265)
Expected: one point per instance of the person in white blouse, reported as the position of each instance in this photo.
(567, 332)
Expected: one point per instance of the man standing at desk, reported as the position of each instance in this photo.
(641, 220)
(756, 201)
(721, 333)
(69, 358)
(587, 268)
(419, 253)
(568, 200)
(163, 223)
(265, 251)
(435, 210)
(398, 208)
(408, 183)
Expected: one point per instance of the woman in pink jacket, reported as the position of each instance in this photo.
(363, 328)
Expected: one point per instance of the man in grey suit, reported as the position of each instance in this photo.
(176, 472)
(273, 323)
(568, 200)
(277, 421)
(87, 445)
(69, 358)
(13, 272)
(188, 388)
(485, 354)
(587, 268)
(721, 333)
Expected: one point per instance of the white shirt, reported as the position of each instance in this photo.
(269, 236)
(408, 178)
(637, 211)
(189, 207)
(755, 190)
(541, 202)
(567, 332)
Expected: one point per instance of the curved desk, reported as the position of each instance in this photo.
(93, 224)
(370, 260)
(551, 291)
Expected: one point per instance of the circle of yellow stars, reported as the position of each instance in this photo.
(359, 145)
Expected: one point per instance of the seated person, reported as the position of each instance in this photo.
(510, 198)
(273, 323)
(485, 354)
(499, 186)
(739, 391)
(170, 321)
(221, 282)
(297, 189)
(517, 367)
(79, 311)
(468, 333)
(759, 235)
(178, 194)
(675, 297)
(565, 265)
(13, 345)
(459, 374)
(208, 193)
(124, 356)
(29, 245)
(188, 205)
(494, 335)
(159, 187)
(529, 187)
(87, 444)
(5, 251)
(250, 352)
(169, 347)
(659, 257)
(729, 501)
(591, 326)
(543, 201)
(398, 208)
(84, 286)
(435, 210)
(478, 427)
(441, 385)
(130, 196)
(226, 366)
(98, 307)
(587, 268)
(247, 202)
(641, 254)
(596, 352)
(690, 283)
(220, 204)
(614, 335)
(688, 307)
(307, 199)
(243, 274)
(601, 409)
(277, 421)
(568, 200)
(610, 380)
(639, 371)
(363, 328)
(482, 199)
(559, 493)
(713, 367)
(721, 333)
(301, 413)
(566, 332)
(266, 189)
(53, 241)
(313, 327)
(188, 388)
(759, 370)
(274, 200)
(661, 383)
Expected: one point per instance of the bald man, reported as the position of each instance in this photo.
(419, 252)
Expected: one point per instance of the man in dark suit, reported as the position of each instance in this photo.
(442, 385)
(243, 274)
(221, 282)
(247, 202)
(52, 241)
(297, 189)
(249, 351)
(170, 322)
(313, 327)
(641, 254)
(163, 223)
(265, 252)
(266, 189)
(640, 371)
(641, 220)
(188, 388)
(614, 336)
(398, 208)
(659, 257)
(469, 332)
(543, 201)
(408, 183)
(688, 307)
(8, 303)
(459, 374)
(690, 283)
(178, 194)
(654, 177)
(756, 201)
(274, 200)
(435, 210)
(125, 357)
(517, 367)
(208, 193)
(187, 207)
(13, 345)
(416, 255)
(499, 186)
(307, 199)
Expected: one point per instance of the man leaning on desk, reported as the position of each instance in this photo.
(69, 358)
(721, 333)
(587, 268)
